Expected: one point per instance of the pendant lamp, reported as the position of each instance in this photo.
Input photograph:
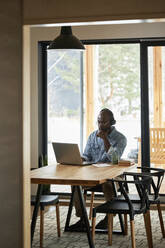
(66, 40)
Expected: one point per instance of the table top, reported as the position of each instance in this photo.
(77, 175)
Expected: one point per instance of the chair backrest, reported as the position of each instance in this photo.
(157, 146)
(157, 175)
(142, 185)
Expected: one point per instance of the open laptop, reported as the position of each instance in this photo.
(67, 153)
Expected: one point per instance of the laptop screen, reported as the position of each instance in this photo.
(67, 153)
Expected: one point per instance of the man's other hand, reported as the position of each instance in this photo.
(83, 159)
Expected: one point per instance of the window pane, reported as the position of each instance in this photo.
(63, 98)
(118, 88)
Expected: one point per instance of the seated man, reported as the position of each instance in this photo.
(99, 149)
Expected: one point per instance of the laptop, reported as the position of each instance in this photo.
(67, 153)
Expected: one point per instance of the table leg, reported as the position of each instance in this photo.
(85, 216)
(70, 210)
(35, 211)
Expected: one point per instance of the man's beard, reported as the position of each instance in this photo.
(107, 129)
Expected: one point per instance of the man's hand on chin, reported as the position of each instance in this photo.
(102, 134)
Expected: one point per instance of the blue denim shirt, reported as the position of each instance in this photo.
(95, 150)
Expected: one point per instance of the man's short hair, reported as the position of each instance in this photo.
(111, 116)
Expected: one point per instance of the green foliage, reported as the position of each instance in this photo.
(119, 77)
(72, 72)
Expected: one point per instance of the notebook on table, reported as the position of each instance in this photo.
(126, 162)
(67, 153)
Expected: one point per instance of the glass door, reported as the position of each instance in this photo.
(153, 107)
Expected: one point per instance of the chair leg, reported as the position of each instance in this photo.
(147, 222)
(125, 225)
(161, 220)
(58, 220)
(41, 227)
(133, 233)
(91, 205)
(85, 196)
(110, 228)
(93, 228)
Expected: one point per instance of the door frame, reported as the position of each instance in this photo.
(145, 138)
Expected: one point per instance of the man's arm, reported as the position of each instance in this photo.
(87, 151)
(104, 136)
(119, 147)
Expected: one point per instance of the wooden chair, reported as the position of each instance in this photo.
(157, 146)
(47, 200)
(97, 188)
(127, 207)
(157, 175)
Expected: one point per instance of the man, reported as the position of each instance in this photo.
(99, 149)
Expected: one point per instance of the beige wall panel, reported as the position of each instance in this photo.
(26, 135)
(53, 11)
(11, 179)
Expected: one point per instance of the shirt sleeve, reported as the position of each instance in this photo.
(87, 151)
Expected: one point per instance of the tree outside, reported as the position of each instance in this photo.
(118, 78)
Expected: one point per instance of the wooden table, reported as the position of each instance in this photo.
(76, 176)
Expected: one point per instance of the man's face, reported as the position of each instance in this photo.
(103, 121)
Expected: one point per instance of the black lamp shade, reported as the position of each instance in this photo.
(66, 40)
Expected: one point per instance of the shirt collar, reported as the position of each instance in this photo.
(112, 131)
